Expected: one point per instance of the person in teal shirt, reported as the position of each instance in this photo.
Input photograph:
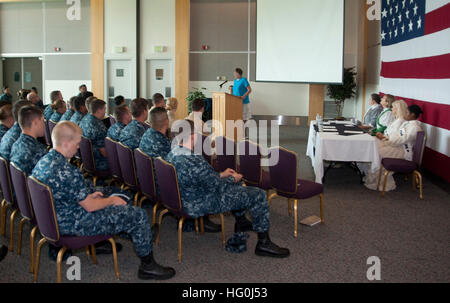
(242, 89)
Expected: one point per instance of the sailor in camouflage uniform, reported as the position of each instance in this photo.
(80, 212)
(131, 135)
(205, 192)
(94, 129)
(80, 110)
(13, 133)
(70, 112)
(59, 108)
(27, 150)
(6, 119)
(123, 116)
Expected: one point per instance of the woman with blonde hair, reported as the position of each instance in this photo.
(59, 107)
(171, 107)
(399, 110)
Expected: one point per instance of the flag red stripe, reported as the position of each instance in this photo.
(437, 20)
(437, 163)
(435, 114)
(436, 67)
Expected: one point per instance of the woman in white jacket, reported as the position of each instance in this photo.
(398, 142)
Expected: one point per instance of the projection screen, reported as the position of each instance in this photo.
(300, 41)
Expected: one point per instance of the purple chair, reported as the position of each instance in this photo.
(87, 157)
(250, 166)
(284, 179)
(44, 210)
(170, 198)
(48, 136)
(51, 126)
(406, 167)
(9, 201)
(113, 160)
(112, 120)
(19, 181)
(225, 154)
(128, 169)
(144, 171)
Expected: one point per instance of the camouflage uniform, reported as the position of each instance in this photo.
(77, 117)
(3, 130)
(95, 130)
(69, 189)
(56, 117)
(26, 152)
(8, 140)
(48, 112)
(67, 115)
(155, 144)
(115, 130)
(132, 133)
(203, 191)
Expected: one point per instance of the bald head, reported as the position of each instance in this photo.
(33, 98)
(65, 133)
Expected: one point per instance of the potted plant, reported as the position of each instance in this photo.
(193, 95)
(341, 92)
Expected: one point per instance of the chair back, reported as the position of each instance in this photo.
(250, 162)
(48, 137)
(44, 209)
(113, 159)
(147, 125)
(112, 120)
(51, 126)
(5, 181)
(419, 148)
(127, 166)
(225, 154)
(19, 181)
(144, 171)
(87, 155)
(167, 180)
(283, 175)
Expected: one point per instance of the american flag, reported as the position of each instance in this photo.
(415, 55)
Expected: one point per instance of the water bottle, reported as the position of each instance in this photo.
(320, 122)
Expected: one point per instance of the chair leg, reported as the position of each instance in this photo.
(142, 201)
(116, 265)
(19, 240)
(419, 176)
(32, 237)
(94, 180)
(414, 181)
(4, 212)
(196, 226)
(385, 182)
(269, 200)
(161, 214)
(11, 229)
(38, 257)
(94, 255)
(88, 252)
(222, 223)
(2, 220)
(202, 226)
(180, 239)
(379, 178)
(58, 264)
(155, 210)
(295, 218)
(289, 207)
(136, 197)
(322, 212)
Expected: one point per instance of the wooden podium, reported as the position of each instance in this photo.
(227, 107)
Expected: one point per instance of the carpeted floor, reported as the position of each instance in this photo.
(409, 235)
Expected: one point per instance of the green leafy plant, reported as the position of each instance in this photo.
(341, 92)
(193, 95)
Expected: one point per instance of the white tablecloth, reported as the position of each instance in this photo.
(332, 147)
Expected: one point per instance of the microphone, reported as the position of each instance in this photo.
(221, 85)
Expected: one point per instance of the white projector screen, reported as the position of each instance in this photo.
(300, 41)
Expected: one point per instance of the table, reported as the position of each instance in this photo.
(340, 147)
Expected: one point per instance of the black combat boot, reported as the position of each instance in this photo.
(242, 225)
(150, 270)
(210, 226)
(266, 248)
